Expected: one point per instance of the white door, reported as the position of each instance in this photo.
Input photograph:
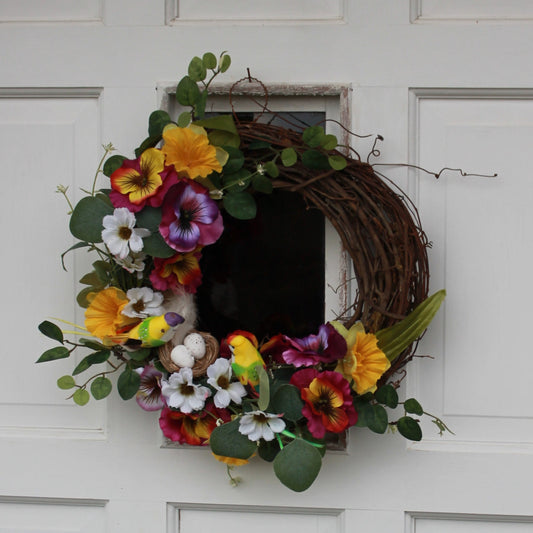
(447, 84)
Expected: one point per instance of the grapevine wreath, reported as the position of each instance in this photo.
(281, 397)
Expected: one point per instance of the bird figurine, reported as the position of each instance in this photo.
(153, 331)
(245, 360)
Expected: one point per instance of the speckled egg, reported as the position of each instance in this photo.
(182, 356)
(196, 344)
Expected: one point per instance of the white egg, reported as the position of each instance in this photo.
(196, 344)
(182, 356)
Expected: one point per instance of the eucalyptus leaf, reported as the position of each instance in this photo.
(51, 331)
(240, 205)
(59, 352)
(268, 450)
(128, 384)
(113, 163)
(149, 218)
(66, 382)
(86, 220)
(287, 401)
(298, 465)
(81, 397)
(101, 387)
(226, 440)
(157, 122)
(187, 92)
(289, 157)
(155, 246)
(409, 428)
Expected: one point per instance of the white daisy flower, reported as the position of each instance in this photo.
(120, 234)
(219, 374)
(259, 425)
(143, 302)
(134, 262)
(181, 393)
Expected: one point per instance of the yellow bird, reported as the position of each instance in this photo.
(154, 331)
(245, 360)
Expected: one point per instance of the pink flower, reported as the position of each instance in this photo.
(190, 217)
(149, 394)
(326, 347)
(179, 272)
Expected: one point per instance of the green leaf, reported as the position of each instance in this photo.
(337, 162)
(59, 352)
(315, 160)
(329, 142)
(226, 440)
(51, 331)
(240, 205)
(395, 339)
(409, 428)
(184, 119)
(237, 181)
(223, 138)
(74, 247)
(92, 279)
(92, 344)
(287, 401)
(66, 382)
(365, 414)
(387, 395)
(113, 163)
(157, 122)
(412, 406)
(235, 161)
(101, 387)
(187, 92)
(262, 184)
(225, 62)
(155, 246)
(289, 157)
(268, 450)
(86, 220)
(91, 359)
(141, 354)
(298, 465)
(102, 268)
(149, 142)
(81, 297)
(219, 122)
(380, 420)
(197, 70)
(272, 169)
(209, 60)
(313, 136)
(199, 108)
(128, 384)
(259, 145)
(264, 388)
(81, 397)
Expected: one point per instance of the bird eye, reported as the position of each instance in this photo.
(162, 331)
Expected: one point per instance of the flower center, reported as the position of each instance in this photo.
(124, 233)
(223, 382)
(140, 180)
(138, 306)
(186, 389)
(260, 418)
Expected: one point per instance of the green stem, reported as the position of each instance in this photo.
(108, 149)
(293, 436)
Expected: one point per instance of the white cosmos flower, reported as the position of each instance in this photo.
(120, 234)
(134, 262)
(181, 393)
(219, 374)
(259, 425)
(143, 302)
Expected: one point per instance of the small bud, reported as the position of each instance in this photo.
(261, 169)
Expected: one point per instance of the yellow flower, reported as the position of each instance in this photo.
(189, 151)
(231, 461)
(364, 362)
(104, 318)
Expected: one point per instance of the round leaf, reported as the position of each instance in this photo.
(113, 163)
(240, 205)
(315, 160)
(81, 397)
(329, 142)
(412, 406)
(262, 184)
(187, 92)
(86, 220)
(184, 119)
(337, 162)
(225, 62)
(387, 395)
(380, 421)
(51, 331)
(66, 382)
(157, 122)
(155, 246)
(272, 169)
(226, 440)
(60, 352)
(268, 450)
(209, 60)
(101, 387)
(287, 401)
(128, 384)
(313, 136)
(409, 428)
(289, 157)
(197, 70)
(235, 160)
(298, 465)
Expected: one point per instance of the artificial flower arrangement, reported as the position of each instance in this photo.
(279, 398)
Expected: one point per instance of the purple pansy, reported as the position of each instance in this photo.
(190, 219)
(326, 347)
(149, 394)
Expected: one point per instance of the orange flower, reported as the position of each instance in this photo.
(104, 318)
(231, 461)
(364, 362)
(189, 151)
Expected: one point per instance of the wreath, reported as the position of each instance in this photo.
(284, 397)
